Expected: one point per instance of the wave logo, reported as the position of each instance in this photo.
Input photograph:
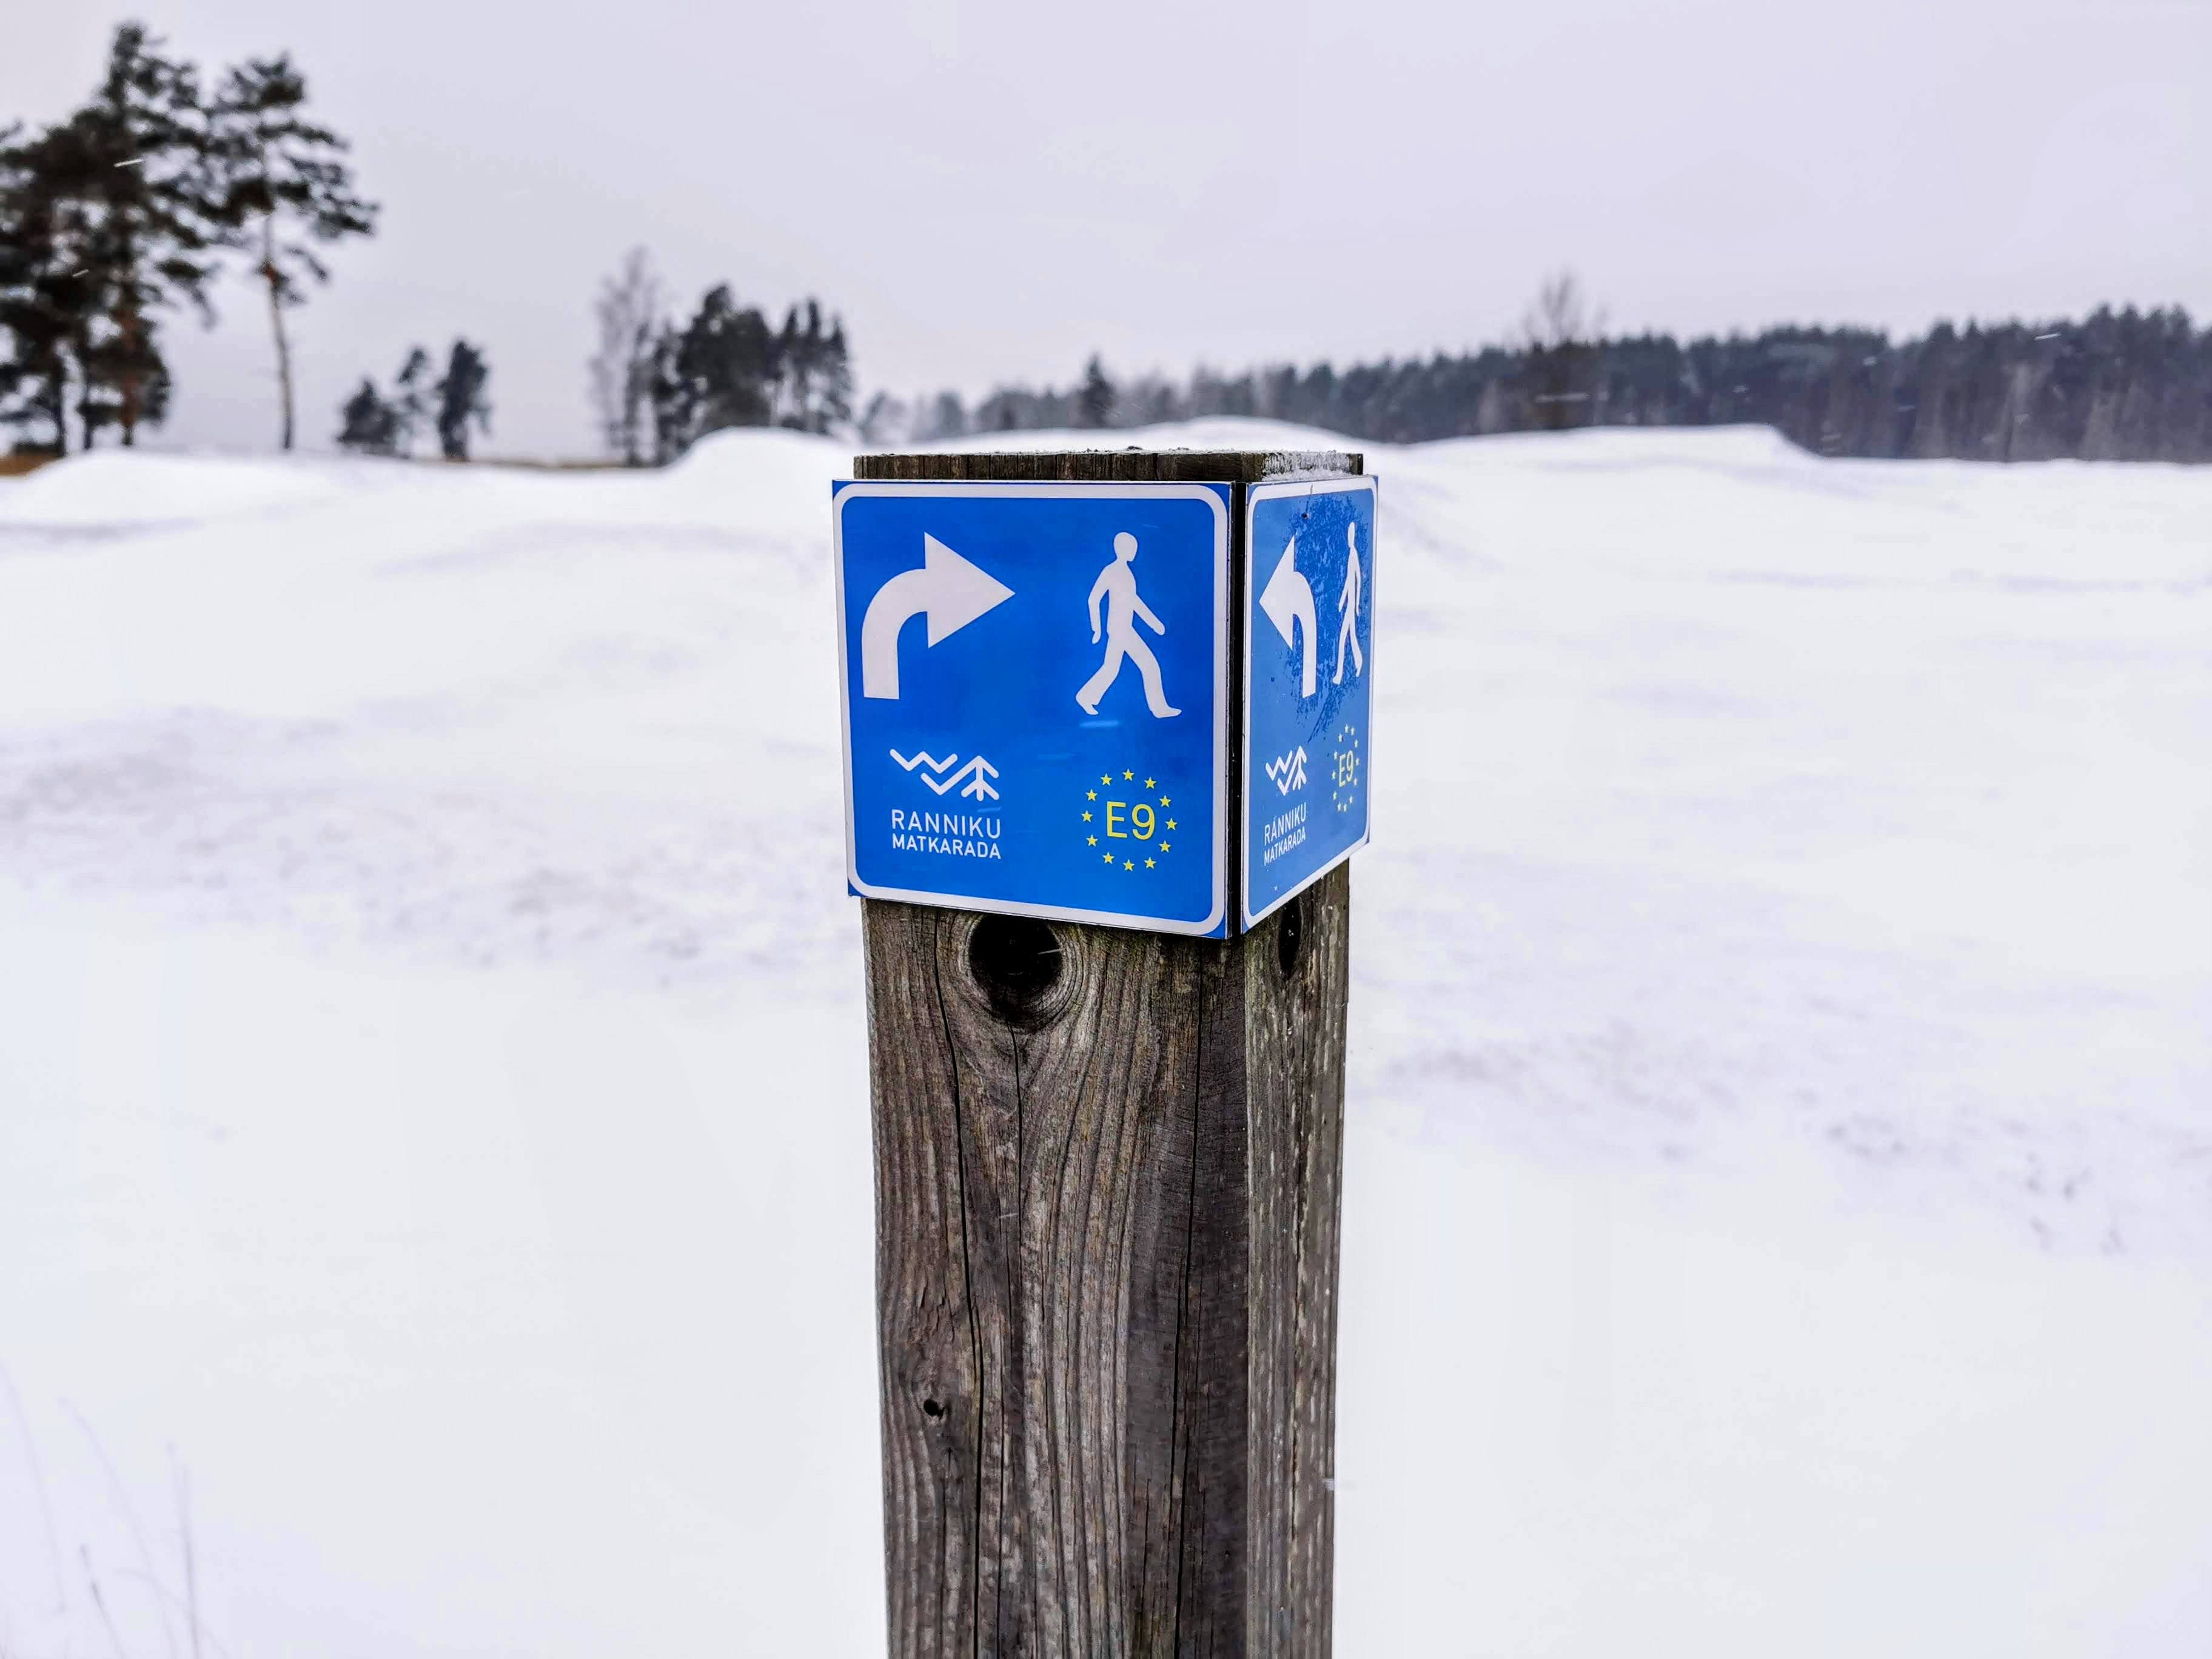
(1290, 772)
(940, 776)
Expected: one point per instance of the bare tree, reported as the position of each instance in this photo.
(1560, 331)
(628, 310)
(1560, 315)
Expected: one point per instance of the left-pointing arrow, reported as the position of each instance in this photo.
(1288, 599)
(949, 590)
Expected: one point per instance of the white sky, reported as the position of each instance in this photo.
(990, 190)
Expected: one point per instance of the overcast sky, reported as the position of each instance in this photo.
(990, 190)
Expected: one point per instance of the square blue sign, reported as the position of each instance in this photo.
(1309, 679)
(1036, 697)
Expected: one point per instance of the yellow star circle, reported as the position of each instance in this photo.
(1129, 816)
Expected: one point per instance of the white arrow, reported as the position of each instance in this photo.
(951, 591)
(1287, 598)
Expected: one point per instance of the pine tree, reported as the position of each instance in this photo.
(410, 401)
(1095, 403)
(146, 176)
(673, 404)
(52, 297)
(462, 400)
(44, 307)
(812, 383)
(17, 265)
(112, 214)
(726, 366)
(722, 372)
(793, 366)
(368, 424)
(287, 189)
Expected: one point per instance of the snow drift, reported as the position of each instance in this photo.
(433, 1168)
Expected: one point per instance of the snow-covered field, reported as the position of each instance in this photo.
(434, 1155)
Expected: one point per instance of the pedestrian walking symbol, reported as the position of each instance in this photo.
(1054, 740)
(1348, 604)
(1300, 539)
(1117, 586)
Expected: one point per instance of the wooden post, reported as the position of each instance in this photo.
(1107, 1191)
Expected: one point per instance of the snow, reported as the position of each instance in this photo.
(433, 1115)
(114, 488)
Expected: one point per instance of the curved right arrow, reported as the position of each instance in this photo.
(949, 590)
(1287, 598)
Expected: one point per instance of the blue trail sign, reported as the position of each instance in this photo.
(1308, 677)
(1051, 740)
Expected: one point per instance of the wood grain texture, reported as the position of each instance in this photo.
(1294, 1038)
(1106, 1217)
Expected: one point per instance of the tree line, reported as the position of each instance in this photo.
(371, 422)
(2125, 385)
(658, 386)
(121, 214)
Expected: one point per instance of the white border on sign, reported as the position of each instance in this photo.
(1253, 495)
(1213, 495)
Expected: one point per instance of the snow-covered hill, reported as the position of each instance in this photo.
(433, 1124)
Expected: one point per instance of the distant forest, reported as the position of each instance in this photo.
(118, 217)
(2124, 385)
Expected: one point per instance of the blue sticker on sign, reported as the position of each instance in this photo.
(1308, 677)
(1036, 697)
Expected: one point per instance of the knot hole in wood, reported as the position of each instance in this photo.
(1291, 936)
(1020, 964)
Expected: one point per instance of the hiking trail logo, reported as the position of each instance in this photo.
(1290, 772)
(948, 834)
(978, 771)
(1127, 822)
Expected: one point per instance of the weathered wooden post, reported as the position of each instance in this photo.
(1107, 1067)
